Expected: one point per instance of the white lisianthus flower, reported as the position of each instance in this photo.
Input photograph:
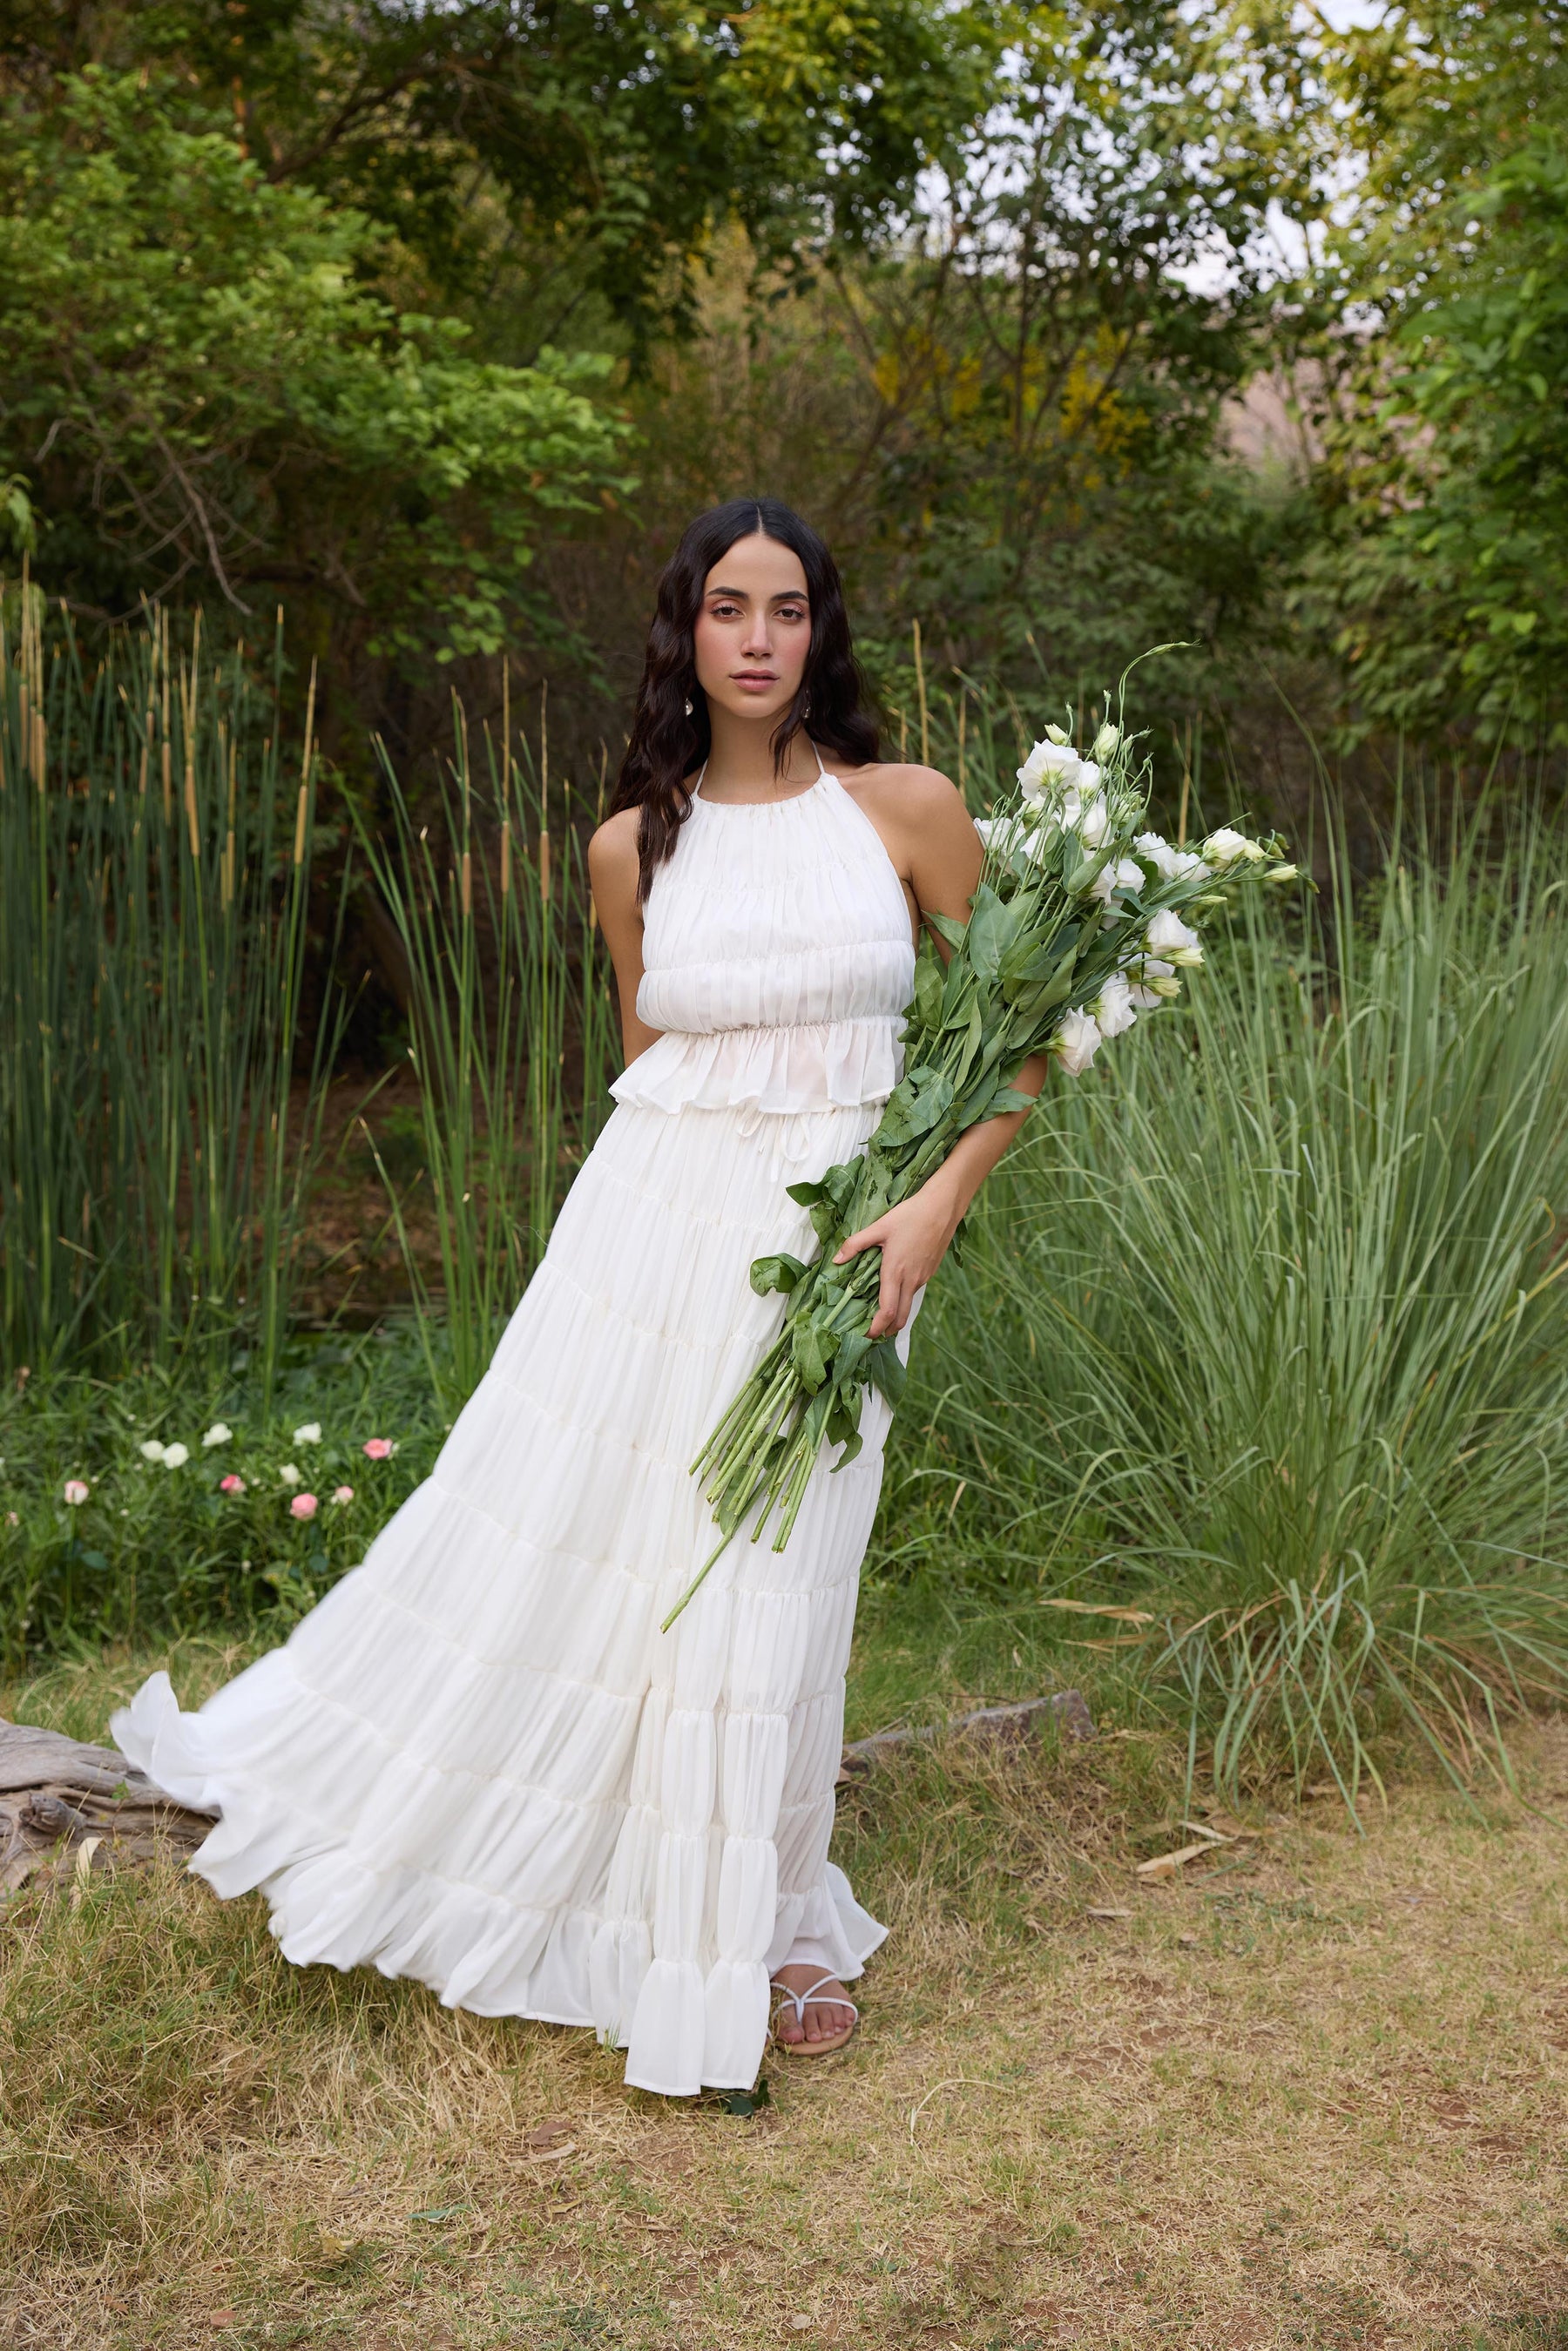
(1049, 766)
(220, 1432)
(1005, 837)
(176, 1455)
(1094, 821)
(1113, 1009)
(310, 1434)
(1283, 873)
(1224, 847)
(151, 1450)
(288, 1475)
(1106, 741)
(1056, 735)
(1076, 1042)
(1175, 864)
(1169, 936)
(1122, 873)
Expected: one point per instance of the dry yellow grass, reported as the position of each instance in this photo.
(1312, 2095)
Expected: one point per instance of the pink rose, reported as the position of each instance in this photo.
(74, 1491)
(12, 1519)
(303, 1506)
(343, 1494)
(379, 1448)
(231, 1484)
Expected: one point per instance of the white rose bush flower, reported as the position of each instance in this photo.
(1081, 925)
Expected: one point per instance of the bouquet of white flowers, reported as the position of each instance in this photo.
(1079, 926)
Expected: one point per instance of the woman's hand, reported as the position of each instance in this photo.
(915, 1237)
(914, 1240)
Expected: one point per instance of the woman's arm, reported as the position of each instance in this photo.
(613, 872)
(932, 838)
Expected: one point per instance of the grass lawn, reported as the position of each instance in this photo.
(1313, 2094)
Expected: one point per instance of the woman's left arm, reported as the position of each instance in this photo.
(922, 815)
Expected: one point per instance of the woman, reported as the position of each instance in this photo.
(479, 1763)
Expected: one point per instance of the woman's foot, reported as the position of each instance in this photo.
(818, 2017)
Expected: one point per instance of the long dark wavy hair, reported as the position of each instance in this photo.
(667, 743)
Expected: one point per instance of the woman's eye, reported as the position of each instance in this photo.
(792, 613)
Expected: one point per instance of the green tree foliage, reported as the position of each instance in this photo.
(204, 388)
(1443, 576)
(583, 146)
(1007, 410)
(328, 302)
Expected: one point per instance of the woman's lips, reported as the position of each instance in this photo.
(757, 680)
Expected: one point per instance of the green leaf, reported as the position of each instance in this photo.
(780, 1271)
(945, 926)
(1006, 1101)
(928, 980)
(992, 928)
(885, 1370)
(807, 1354)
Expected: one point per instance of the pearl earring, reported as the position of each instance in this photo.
(688, 706)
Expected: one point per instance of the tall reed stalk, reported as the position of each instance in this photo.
(512, 1028)
(154, 881)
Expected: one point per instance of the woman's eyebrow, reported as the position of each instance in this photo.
(779, 595)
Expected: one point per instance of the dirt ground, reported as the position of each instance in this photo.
(1308, 2090)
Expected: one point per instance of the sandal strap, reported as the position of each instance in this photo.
(800, 2001)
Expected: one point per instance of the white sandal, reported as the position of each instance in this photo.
(799, 2001)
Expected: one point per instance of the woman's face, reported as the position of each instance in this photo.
(754, 631)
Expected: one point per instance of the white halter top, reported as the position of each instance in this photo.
(777, 960)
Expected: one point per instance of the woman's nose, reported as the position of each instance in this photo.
(757, 637)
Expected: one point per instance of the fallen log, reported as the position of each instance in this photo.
(994, 1726)
(60, 1800)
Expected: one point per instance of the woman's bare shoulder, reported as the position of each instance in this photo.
(918, 811)
(612, 848)
(901, 789)
(612, 868)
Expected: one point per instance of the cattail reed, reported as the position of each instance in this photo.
(148, 1002)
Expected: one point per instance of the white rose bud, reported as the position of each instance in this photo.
(288, 1475)
(1076, 1042)
(1283, 873)
(1055, 735)
(1169, 936)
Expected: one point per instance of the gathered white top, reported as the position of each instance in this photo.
(777, 960)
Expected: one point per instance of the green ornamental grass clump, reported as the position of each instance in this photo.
(1259, 1364)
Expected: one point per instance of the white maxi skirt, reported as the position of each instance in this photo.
(479, 1763)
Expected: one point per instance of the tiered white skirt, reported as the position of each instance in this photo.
(479, 1763)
